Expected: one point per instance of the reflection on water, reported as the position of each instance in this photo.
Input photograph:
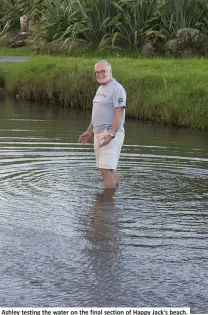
(65, 241)
(103, 221)
(102, 250)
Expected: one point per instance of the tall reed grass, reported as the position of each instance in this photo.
(101, 24)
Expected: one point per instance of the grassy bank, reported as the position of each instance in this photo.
(18, 52)
(165, 91)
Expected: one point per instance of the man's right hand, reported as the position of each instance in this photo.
(84, 137)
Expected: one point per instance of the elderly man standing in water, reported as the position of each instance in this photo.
(107, 123)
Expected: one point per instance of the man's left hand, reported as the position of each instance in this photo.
(105, 140)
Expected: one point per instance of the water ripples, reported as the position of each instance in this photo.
(36, 161)
(65, 242)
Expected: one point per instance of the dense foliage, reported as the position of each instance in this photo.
(113, 24)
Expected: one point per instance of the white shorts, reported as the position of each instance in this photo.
(107, 156)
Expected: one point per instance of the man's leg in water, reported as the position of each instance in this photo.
(109, 178)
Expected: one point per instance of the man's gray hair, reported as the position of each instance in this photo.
(104, 62)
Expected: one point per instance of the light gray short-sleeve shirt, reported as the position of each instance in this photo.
(107, 98)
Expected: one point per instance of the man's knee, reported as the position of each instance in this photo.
(105, 171)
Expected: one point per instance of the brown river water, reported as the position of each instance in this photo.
(65, 242)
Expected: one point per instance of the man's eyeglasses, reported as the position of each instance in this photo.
(101, 72)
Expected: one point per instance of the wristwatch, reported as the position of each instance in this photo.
(112, 135)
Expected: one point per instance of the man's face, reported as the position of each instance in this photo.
(103, 74)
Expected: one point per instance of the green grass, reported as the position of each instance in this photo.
(170, 91)
(21, 51)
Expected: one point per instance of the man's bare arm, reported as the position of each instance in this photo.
(118, 119)
(86, 135)
(90, 128)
